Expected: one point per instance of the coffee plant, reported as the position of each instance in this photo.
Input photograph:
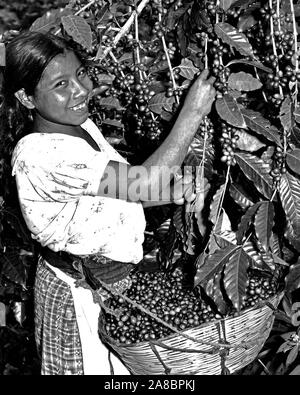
(243, 247)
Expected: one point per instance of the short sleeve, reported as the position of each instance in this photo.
(62, 169)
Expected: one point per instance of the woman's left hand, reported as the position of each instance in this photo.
(183, 189)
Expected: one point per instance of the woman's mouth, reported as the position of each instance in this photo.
(80, 107)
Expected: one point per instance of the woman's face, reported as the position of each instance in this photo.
(62, 94)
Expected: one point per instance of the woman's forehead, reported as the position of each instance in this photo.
(62, 64)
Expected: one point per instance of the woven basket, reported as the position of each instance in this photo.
(219, 347)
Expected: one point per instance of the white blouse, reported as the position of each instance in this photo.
(57, 176)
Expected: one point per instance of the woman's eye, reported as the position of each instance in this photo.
(82, 72)
(61, 84)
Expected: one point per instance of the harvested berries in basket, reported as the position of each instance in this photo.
(158, 326)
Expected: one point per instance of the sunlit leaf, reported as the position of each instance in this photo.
(248, 142)
(239, 197)
(110, 102)
(292, 279)
(195, 154)
(253, 63)
(159, 102)
(264, 222)
(187, 69)
(296, 371)
(51, 19)
(229, 111)
(293, 354)
(289, 191)
(2, 314)
(213, 290)
(242, 81)
(214, 263)
(246, 220)
(255, 258)
(286, 116)
(257, 123)
(236, 278)
(78, 29)
(256, 170)
(215, 207)
(231, 36)
(2, 55)
(293, 160)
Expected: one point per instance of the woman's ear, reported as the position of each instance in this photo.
(24, 99)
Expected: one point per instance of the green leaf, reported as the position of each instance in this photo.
(242, 4)
(215, 207)
(297, 114)
(195, 153)
(229, 111)
(159, 102)
(257, 123)
(289, 192)
(293, 354)
(293, 160)
(231, 36)
(214, 263)
(110, 102)
(78, 29)
(187, 69)
(264, 222)
(255, 258)
(242, 81)
(257, 171)
(213, 290)
(2, 55)
(236, 278)
(253, 63)
(246, 21)
(49, 20)
(2, 314)
(286, 116)
(105, 78)
(12, 267)
(226, 4)
(292, 280)
(239, 197)
(247, 142)
(296, 371)
(246, 220)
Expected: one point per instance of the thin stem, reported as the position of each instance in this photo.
(169, 63)
(125, 28)
(205, 52)
(296, 51)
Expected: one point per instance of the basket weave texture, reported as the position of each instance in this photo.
(219, 347)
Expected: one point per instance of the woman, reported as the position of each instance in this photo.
(80, 199)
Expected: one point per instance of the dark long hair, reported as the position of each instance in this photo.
(27, 56)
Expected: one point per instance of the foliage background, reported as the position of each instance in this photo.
(249, 149)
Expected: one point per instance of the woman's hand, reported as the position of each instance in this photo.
(200, 95)
(184, 189)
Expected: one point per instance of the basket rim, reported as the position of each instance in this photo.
(260, 306)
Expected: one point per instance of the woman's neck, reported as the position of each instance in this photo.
(44, 126)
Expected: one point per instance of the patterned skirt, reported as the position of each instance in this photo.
(56, 329)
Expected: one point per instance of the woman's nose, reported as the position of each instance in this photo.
(80, 89)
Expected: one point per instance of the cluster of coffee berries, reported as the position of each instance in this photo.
(228, 142)
(206, 128)
(278, 166)
(259, 289)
